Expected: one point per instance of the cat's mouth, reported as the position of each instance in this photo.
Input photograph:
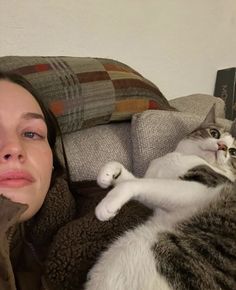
(221, 156)
(215, 156)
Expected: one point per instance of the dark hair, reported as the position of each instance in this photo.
(50, 119)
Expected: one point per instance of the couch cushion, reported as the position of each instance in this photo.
(83, 92)
(155, 133)
(89, 149)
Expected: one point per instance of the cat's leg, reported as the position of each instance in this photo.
(112, 173)
(168, 195)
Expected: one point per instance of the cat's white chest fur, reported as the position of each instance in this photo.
(172, 165)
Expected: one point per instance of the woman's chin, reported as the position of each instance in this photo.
(13, 196)
(17, 199)
(26, 216)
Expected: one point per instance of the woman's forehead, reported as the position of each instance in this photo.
(14, 98)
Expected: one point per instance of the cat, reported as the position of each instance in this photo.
(190, 240)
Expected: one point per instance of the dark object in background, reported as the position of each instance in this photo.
(225, 88)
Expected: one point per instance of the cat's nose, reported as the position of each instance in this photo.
(222, 146)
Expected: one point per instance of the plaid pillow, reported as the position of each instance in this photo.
(83, 92)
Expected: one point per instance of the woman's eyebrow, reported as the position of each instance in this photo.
(31, 115)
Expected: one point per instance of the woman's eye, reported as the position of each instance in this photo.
(32, 135)
(232, 151)
(215, 133)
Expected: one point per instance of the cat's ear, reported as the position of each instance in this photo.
(233, 129)
(211, 116)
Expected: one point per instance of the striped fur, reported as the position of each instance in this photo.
(201, 253)
(205, 175)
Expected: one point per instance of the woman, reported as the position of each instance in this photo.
(44, 242)
(27, 136)
(28, 168)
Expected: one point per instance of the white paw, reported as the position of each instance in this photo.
(109, 173)
(113, 201)
(106, 209)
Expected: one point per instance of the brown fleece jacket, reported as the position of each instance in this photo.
(78, 244)
(65, 239)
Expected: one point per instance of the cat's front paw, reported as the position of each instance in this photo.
(112, 202)
(106, 209)
(109, 173)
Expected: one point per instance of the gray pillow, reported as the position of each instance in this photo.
(89, 149)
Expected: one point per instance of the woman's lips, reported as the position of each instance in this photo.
(15, 178)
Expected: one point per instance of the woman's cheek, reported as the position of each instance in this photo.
(43, 160)
(47, 160)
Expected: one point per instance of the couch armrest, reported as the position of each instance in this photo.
(199, 104)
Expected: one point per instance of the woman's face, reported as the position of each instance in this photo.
(25, 155)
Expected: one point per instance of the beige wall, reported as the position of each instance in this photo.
(177, 44)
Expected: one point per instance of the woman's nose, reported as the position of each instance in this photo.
(11, 150)
(222, 146)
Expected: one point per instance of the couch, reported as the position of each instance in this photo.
(106, 111)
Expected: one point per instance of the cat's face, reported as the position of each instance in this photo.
(210, 142)
(213, 144)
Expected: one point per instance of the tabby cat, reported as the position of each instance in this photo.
(190, 240)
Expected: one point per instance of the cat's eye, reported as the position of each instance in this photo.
(215, 133)
(232, 151)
